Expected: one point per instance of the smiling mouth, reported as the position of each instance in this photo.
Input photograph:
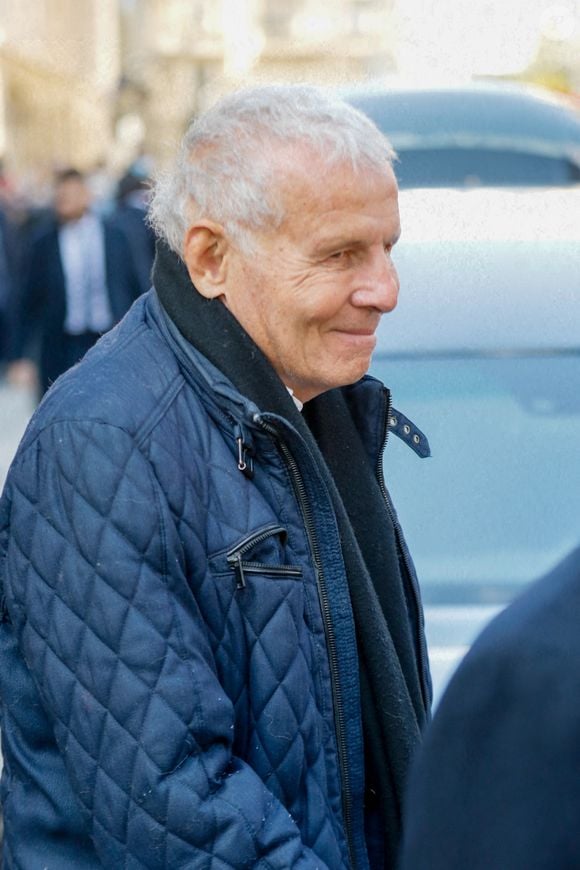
(362, 337)
(357, 331)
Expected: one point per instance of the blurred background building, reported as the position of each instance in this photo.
(60, 61)
(104, 83)
(179, 55)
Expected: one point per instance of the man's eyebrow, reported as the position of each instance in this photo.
(333, 243)
(342, 241)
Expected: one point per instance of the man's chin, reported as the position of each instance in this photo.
(352, 374)
(331, 377)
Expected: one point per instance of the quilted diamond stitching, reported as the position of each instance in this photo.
(217, 508)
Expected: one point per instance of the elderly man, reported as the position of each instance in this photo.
(213, 652)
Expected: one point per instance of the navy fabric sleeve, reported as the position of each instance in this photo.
(96, 589)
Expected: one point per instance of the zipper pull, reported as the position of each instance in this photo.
(241, 581)
(245, 453)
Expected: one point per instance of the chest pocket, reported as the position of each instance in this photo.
(261, 552)
(263, 652)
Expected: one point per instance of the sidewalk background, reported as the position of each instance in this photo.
(16, 406)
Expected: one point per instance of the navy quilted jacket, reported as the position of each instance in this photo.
(167, 696)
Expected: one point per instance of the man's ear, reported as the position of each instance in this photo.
(205, 250)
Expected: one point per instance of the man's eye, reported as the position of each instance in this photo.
(339, 255)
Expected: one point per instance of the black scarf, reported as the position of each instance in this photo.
(392, 707)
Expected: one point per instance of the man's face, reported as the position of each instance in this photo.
(313, 294)
(71, 199)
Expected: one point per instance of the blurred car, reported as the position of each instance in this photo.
(483, 350)
(483, 354)
(483, 134)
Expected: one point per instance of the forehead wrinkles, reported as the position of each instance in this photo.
(310, 187)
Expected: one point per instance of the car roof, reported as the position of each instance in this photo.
(486, 271)
(499, 115)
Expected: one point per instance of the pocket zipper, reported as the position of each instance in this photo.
(242, 567)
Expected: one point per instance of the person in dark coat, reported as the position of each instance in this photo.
(497, 783)
(80, 280)
(212, 650)
(7, 280)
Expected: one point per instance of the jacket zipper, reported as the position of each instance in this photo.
(302, 498)
(242, 567)
(405, 552)
(255, 538)
(265, 568)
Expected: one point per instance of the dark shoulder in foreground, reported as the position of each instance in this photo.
(545, 615)
(496, 783)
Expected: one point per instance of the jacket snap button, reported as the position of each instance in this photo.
(407, 430)
(393, 421)
(416, 439)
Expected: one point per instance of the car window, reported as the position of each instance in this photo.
(498, 503)
(481, 167)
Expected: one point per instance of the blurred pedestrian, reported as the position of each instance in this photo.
(212, 644)
(8, 279)
(80, 280)
(497, 783)
(130, 216)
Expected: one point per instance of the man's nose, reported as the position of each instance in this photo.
(378, 285)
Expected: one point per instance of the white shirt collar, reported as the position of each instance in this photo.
(296, 401)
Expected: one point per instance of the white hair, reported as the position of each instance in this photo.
(226, 168)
